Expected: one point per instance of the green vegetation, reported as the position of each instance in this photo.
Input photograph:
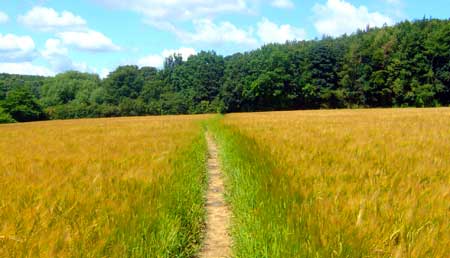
(178, 230)
(22, 106)
(399, 66)
(5, 117)
(258, 198)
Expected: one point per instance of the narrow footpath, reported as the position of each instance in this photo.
(217, 242)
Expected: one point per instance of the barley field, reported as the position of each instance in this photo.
(335, 183)
(344, 183)
(123, 187)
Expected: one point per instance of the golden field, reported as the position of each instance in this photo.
(362, 183)
(101, 187)
(335, 183)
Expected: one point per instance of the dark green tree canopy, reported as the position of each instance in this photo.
(22, 106)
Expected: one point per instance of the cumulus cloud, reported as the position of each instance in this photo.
(57, 55)
(185, 52)
(47, 19)
(151, 60)
(157, 10)
(270, 32)
(88, 40)
(103, 73)
(167, 15)
(72, 30)
(54, 47)
(286, 4)
(15, 48)
(158, 60)
(3, 17)
(206, 31)
(338, 17)
(18, 53)
(25, 68)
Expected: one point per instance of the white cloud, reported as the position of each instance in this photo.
(286, 4)
(151, 60)
(338, 17)
(57, 56)
(88, 40)
(16, 48)
(167, 15)
(270, 32)
(206, 31)
(159, 10)
(158, 60)
(25, 68)
(47, 19)
(54, 47)
(103, 73)
(17, 55)
(185, 52)
(71, 29)
(3, 18)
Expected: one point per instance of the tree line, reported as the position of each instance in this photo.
(406, 65)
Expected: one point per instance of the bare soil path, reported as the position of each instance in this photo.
(217, 242)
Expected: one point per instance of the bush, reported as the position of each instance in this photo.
(5, 117)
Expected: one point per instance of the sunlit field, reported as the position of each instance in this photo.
(336, 183)
(125, 187)
(350, 183)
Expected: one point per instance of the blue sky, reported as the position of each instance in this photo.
(46, 37)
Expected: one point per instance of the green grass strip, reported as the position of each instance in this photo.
(258, 200)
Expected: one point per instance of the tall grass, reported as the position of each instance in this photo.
(127, 187)
(351, 183)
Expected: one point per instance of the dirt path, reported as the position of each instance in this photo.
(217, 241)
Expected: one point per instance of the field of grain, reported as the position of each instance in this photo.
(345, 183)
(124, 187)
(336, 183)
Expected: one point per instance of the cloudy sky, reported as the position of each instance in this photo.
(46, 37)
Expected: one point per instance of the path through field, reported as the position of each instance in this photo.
(217, 241)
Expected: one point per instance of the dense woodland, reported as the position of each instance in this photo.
(399, 66)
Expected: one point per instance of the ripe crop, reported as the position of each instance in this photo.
(349, 183)
(102, 187)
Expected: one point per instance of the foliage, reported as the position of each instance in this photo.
(11, 81)
(22, 105)
(5, 117)
(69, 87)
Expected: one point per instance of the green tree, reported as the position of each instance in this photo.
(5, 117)
(124, 82)
(22, 105)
